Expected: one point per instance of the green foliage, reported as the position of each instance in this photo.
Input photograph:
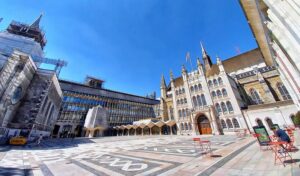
(296, 119)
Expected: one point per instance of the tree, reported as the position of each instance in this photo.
(296, 119)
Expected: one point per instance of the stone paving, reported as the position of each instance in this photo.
(142, 155)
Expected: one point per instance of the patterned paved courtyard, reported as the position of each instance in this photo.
(151, 155)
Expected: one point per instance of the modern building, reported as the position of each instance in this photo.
(275, 25)
(30, 97)
(119, 109)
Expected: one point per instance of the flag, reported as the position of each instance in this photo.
(187, 57)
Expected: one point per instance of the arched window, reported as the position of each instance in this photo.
(224, 92)
(178, 102)
(269, 122)
(215, 82)
(187, 112)
(190, 126)
(259, 122)
(183, 113)
(218, 108)
(235, 123)
(195, 102)
(181, 101)
(223, 124)
(179, 114)
(181, 126)
(255, 97)
(224, 108)
(213, 94)
(229, 106)
(219, 93)
(176, 92)
(196, 88)
(179, 91)
(199, 86)
(185, 100)
(229, 124)
(203, 100)
(186, 126)
(210, 83)
(220, 81)
(283, 91)
(192, 89)
(199, 101)
(183, 91)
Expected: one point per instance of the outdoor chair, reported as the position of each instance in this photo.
(280, 154)
(205, 145)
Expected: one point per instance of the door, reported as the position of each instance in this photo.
(204, 125)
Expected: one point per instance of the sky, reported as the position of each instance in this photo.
(131, 43)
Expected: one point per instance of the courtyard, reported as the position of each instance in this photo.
(140, 155)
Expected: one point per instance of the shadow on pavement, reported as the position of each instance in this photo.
(14, 171)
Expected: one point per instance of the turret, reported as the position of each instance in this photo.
(206, 58)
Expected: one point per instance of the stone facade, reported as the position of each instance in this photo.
(220, 98)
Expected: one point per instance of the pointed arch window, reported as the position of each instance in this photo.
(283, 91)
(183, 90)
(179, 92)
(224, 108)
(176, 92)
(181, 101)
(218, 108)
(223, 124)
(178, 102)
(179, 114)
(199, 86)
(183, 113)
(224, 92)
(255, 97)
(210, 83)
(215, 82)
(229, 123)
(203, 100)
(235, 123)
(269, 122)
(192, 89)
(220, 81)
(186, 126)
(190, 126)
(229, 106)
(181, 126)
(259, 122)
(195, 101)
(213, 94)
(196, 88)
(219, 93)
(199, 101)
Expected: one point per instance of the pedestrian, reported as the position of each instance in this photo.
(40, 139)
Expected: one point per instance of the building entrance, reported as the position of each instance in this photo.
(204, 125)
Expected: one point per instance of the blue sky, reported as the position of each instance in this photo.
(131, 43)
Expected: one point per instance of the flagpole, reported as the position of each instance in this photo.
(188, 57)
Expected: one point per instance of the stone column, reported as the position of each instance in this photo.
(150, 131)
(160, 131)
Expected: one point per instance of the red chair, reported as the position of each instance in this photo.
(279, 152)
(205, 145)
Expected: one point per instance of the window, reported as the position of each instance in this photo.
(269, 122)
(255, 97)
(181, 126)
(196, 88)
(199, 86)
(192, 89)
(179, 114)
(186, 126)
(203, 100)
(215, 82)
(229, 106)
(213, 94)
(178, 102)
(199, 101)
(183, 91)
(219, 93)
(235, 123)
(224, 92)
(210, 83)
(224, 108)
(220, 81)
(229, 124)
(190, 126)
(185, 101)
(195, 101)
(180, 92)
(183, 113)
(283, 91)
(259, 122)
(223, 124)
(176, 92)
(218, 108)
(181, 101)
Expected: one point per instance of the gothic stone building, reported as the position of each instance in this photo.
(237, 93)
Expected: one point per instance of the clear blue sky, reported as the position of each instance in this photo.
(131, 43)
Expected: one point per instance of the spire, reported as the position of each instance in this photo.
(206, 58)
(204, 54)
(183, 70)
(36, 23)
(171, 75)
(163, 82)
(199, 62)
(219, 62)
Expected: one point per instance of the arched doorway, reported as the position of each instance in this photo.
(204, 125)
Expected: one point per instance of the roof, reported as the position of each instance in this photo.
(247, 59)
(214, 70)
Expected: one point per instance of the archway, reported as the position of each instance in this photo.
(132, 132)
(174, 129)
(155, 130)
(55, 131)
(165, 130)
(146, 131)
(139, 131)
(204, 125)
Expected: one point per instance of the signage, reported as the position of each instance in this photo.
(262, 135)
